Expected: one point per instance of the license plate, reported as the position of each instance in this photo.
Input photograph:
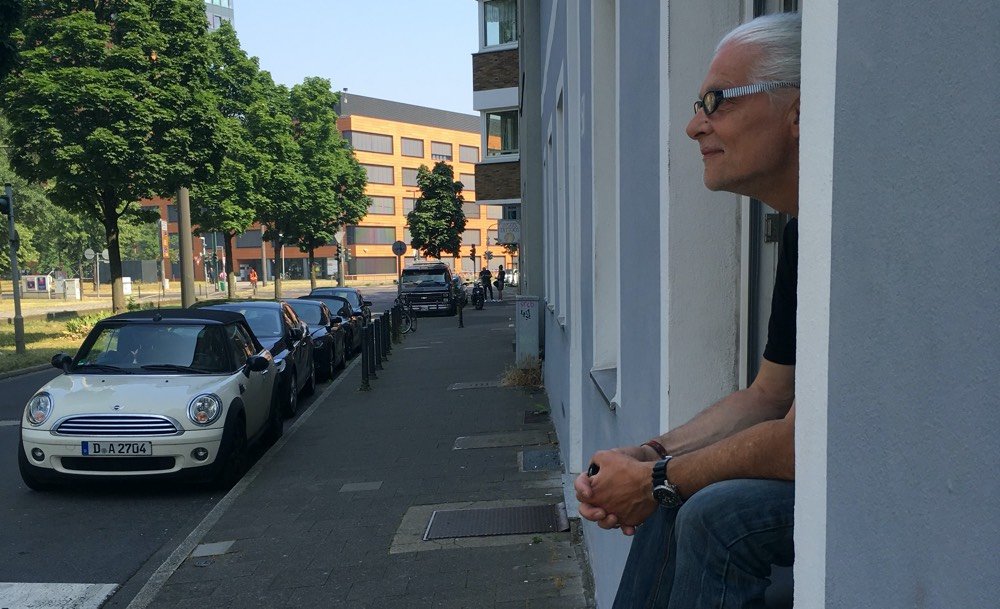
(116, 449)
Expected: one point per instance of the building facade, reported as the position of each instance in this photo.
(218, 11)
(655, 291)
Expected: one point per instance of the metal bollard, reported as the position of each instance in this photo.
(461, 321)
(396, 319)
(376, 339)
(365, 372)
(370, 341)
(386, 338)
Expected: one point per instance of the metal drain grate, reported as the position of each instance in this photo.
(479, 385)
(446, 524)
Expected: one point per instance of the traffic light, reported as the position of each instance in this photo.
(336, 249)
(5, 205)
(472, 254)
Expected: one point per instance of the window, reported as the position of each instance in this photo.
(409, 176)
(468, 181)
(471, 210)
(379, 174)
(468, 154)
(500, 21)
(472, 266)
(251, 238)
(408, 204)
(492, 237)
(441, 151)
(171, 213)
(369, 142)
(501, 133)
(382, 205)
(412, 147)
(407, 237)
(471, 237)
(372, 265)
(371, 235)
(494, 212)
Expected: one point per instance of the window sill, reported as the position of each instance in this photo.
(499, 47)
(503, 158)
(551, 307)
(562, 321)
(606, 380)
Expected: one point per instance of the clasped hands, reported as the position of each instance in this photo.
(619, 494)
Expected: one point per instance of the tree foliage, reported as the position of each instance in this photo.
(109, 105)
(11, 14)
(437, 221)
(333, 179)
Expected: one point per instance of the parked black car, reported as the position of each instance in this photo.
(359, 305)
(279, 329)
(327, 332)
(351, 322)
(428, 287)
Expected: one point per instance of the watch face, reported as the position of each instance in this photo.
(667, 497)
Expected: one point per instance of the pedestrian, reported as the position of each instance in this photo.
(485, 278)
(253, 279)
(715, 496)
(501, 277)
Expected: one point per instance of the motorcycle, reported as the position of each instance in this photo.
(478, 295)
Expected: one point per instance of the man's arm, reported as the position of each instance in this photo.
(749, 434)
(769, 397)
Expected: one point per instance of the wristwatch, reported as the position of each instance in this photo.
(664, 493)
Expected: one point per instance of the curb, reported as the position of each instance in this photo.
(38, 368)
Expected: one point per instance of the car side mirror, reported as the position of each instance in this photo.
(297, 333)
(62, 361)
(257, 363)
(336, 319)
(368, 303)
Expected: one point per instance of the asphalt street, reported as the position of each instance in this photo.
(94, 533)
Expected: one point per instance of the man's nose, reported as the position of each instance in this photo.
(698, 125)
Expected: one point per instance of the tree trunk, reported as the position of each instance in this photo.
(312, 268)
(278, 258)
(228, 248)
(110, 208)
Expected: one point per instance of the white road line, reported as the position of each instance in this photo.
(156, 581)
(13, 423)
(54, 596)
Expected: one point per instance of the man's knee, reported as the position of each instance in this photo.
(728, 510)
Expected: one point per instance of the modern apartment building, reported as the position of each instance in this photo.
(218, 11)
(656, 291)
(497, 96)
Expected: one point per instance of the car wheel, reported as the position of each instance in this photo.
(291, 396)
(310, 387)
(29, 473)
(232, 454)
(275, 422)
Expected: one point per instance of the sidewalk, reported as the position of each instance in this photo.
(334, 515)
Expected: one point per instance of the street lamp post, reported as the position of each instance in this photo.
(15, 276)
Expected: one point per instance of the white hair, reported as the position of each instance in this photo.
(779, 37)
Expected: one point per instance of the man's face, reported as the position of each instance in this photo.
(749, 145)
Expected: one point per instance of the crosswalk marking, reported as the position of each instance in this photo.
(54, 596)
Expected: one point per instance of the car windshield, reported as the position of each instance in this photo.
(349, 295)
(419, 278)
(263, 321)
(308, 312)
(160, 347)
(334, 303)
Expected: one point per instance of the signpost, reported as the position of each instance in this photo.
(399, 249)
(508, 232)
(90, 254)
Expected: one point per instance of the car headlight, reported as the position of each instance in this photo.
(205, 409)
(39, 408)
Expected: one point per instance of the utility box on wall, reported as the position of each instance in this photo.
(526, 331)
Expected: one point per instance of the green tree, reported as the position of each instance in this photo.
(332, 177)
(11, 14)
(227, 203)
(437, 221)
(109, 105)
(280, 184)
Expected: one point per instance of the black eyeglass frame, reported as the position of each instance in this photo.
(711, 101)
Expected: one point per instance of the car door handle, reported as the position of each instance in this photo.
(242, 388)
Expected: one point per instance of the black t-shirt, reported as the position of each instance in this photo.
(780, 347)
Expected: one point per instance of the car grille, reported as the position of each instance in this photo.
(118, 464)
(117, 425)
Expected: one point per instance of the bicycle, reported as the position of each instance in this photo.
(407, 316)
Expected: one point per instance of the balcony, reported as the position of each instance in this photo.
(498, 181)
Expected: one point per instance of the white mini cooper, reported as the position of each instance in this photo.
(159, 393)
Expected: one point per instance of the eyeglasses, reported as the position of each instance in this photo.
(711, 100)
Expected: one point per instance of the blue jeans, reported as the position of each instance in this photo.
(714, 552)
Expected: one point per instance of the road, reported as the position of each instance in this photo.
(100, 534)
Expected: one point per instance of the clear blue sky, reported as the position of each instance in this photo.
(403, 50)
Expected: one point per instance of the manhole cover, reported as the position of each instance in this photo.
(539, 460)
(479, 385)
(481, 522)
